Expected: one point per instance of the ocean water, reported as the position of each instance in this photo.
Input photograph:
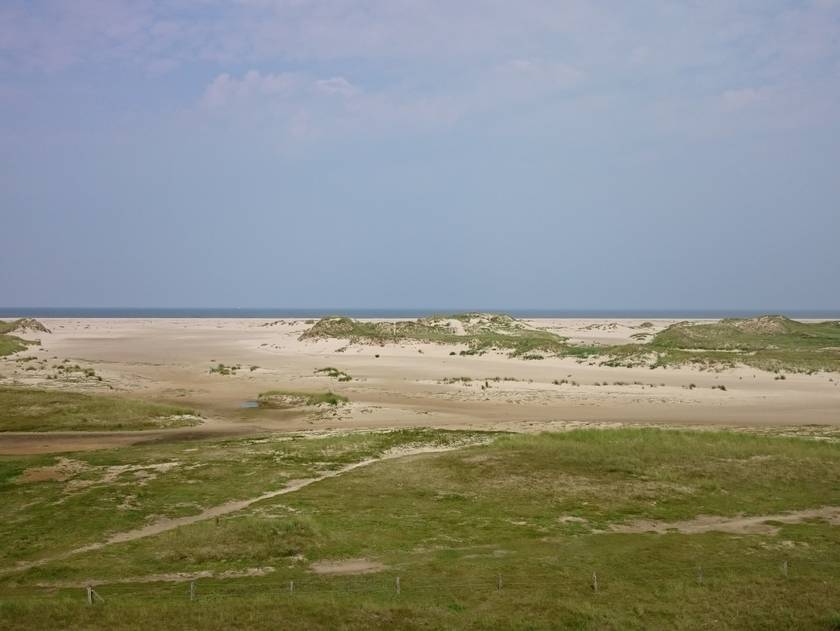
(272, 312)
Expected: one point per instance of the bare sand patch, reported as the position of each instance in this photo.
(347, 566)
(62, 471)
(741, 525)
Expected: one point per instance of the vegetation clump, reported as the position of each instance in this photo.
(335, 373)
(222, 369)
(280, 399)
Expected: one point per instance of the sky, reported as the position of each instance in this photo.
(577, 154)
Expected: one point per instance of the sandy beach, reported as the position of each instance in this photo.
(395, 385)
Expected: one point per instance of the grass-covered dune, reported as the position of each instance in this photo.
(34, 410)
(478, 331)
(765, 342)
(751, 334)
(294, 398)
(682, 530)
(10, 344)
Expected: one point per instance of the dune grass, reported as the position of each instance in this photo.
(295, 398)
(335, 373)
(34, 410)
(10, 344)
(501, 535)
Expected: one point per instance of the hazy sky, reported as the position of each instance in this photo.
(437, 153)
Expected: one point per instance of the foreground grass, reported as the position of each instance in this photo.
(535, 510)
(112, 490)
(32, 410)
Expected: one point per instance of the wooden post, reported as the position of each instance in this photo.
(291, 587)
(594, 582)
(499, 583)
(192, 590)
(785, 568)
(699, 575)
(93, 596)
(398, 584)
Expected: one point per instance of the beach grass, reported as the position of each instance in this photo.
(295, 398)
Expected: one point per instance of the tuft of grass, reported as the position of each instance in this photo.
(329, 371)
(222, 369)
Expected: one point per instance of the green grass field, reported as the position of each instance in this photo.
(32, 410)
(502, 534)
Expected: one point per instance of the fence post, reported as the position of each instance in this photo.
(594, 582)
(192, 590)
(499, 583)
(291, 587)
(89, 591)
(398, 584)
(699, 575)
(785, 568)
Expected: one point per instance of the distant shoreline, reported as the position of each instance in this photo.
(280, 313)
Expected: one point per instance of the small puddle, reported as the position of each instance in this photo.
(250, 404)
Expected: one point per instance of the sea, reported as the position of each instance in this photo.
(284, 312)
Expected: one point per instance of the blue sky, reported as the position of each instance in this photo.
(410, 153)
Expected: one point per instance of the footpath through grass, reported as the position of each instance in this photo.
(502, 535)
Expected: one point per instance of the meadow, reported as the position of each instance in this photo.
(588, 529)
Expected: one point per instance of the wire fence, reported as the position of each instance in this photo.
(571, 580)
